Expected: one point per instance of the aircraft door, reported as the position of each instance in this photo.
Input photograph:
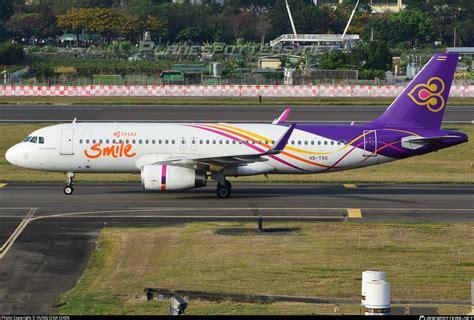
(67, 138)
(370, 143)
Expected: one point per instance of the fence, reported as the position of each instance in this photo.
(219, 91)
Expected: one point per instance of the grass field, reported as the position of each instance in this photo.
(422, 261)
(453, 165)
(211, 100)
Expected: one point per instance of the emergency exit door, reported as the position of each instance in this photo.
(370, 143)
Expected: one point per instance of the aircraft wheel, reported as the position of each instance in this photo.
(223, 191)
(68, 190)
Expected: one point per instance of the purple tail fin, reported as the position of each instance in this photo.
(422, 103)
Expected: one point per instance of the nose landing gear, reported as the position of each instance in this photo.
(68, 189)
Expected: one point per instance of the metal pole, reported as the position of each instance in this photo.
(291, 18)
(350, 19)
(260, 223)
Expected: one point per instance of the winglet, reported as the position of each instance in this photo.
(281, 143)
(282, 118)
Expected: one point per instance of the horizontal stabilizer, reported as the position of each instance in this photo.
(415, 142)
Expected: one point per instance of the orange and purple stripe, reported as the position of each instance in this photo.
(163, 177)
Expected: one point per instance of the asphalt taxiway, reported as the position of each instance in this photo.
(47, 237)
(206, 113)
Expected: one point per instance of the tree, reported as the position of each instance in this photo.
(334, 60)
(11, 54)
(31, 25)
(6, 9)
(129, 25)
(157, 26)
(373, 55)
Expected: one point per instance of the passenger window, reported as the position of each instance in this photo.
(214, 141)
(159, 141)
(227, 142)
(140, 141)
(107, 141)
(207, 141)
(146, 141)
(201, 142)
(312, 142)
(166, 141)
(100, 140)
(325, 142)
(332, 143)
(127, 141)
(87, 141)
(319, 142)
(184, 141)
(299, 142)
(153, 141)
(93, 141)
(220, 141)
(80, 141)
(306, 142)
(233, 141)
(41, 140)
(292, 142)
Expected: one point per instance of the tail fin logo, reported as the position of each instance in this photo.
(429, 94)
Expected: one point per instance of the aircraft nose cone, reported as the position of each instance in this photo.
(11, 155)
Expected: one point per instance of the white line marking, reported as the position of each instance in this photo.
(19, 229)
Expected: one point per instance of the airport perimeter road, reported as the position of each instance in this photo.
(203, 113)
(47, 237)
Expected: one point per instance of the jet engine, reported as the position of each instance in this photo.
(168, 177)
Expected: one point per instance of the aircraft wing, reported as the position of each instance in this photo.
(237, 159)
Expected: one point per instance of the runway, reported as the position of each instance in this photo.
(47, 237)
(206, 113)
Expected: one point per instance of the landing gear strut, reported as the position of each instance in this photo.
(224, 191)
(68, 189)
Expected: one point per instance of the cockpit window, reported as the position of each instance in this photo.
(27, 139)
(34, 139)
(41, 140)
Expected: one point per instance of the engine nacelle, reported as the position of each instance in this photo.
(168, 177)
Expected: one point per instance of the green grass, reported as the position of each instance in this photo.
(321, 260)
(211, 100)
(453, 165)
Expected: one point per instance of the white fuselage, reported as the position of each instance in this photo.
(127, 147)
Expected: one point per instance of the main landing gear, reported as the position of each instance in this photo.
(68, 189)
(224, 191)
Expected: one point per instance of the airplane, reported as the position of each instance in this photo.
(184, 156)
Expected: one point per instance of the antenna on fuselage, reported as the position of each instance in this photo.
(74, 121)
